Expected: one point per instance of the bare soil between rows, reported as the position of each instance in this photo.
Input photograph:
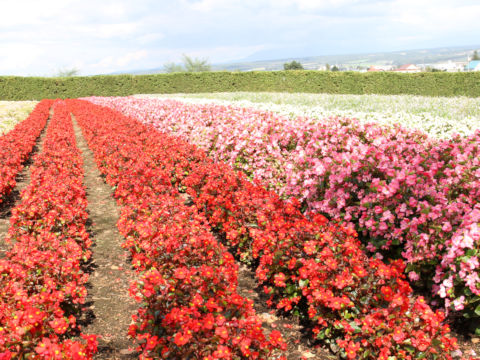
(109, 308)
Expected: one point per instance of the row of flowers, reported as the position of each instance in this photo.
(439, 117)
(13, 112)
(17, 144)
(42, 285)
(361, 304)
(189, 306)
(409, 195)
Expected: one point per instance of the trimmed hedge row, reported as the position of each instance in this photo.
(388, 83)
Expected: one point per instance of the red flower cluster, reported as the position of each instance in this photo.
(187, 287)
(351, 298)
(41, 281)
(17, 144)
(364, 305)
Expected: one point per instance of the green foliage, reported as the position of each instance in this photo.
(196, 64)
(189, 65)
(335, 68)
(171, 67)
(475, 55)
(68, 72)
(308, 81)
(294, 65)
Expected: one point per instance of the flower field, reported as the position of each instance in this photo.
(409, 195)
(340, 219)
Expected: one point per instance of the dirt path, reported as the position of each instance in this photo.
(13, 199)
(109, 307)
(299, 346)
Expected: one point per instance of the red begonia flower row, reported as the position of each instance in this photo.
(17, 144)
(362, 304)
(187, 280)
(42, 283)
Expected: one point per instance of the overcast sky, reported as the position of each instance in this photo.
(40, 37)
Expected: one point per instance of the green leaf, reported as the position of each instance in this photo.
(477, 310)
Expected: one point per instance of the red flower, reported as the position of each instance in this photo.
(222, 332)
(182, 338)
(352, 349)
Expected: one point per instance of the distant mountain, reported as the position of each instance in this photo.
(419, 56)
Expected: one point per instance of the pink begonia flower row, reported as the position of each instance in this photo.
(403, 190)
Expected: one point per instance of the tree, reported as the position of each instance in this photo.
(171, 67)
(327, 66)
(68, 72)
(189, 65)
(335, 68)
(294, 65)
(475, 55)
(196, 64)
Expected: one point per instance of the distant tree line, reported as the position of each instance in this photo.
(295, 65)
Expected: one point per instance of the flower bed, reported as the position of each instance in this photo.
(42, 283)
(409, 195)
(361, 304)
(187, 280)
(439, 117)
(17, 144)
(12, 112)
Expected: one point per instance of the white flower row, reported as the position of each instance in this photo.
(12, 112)
(440, 117)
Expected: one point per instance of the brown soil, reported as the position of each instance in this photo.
(469, 346)
(299, 345)
(109, 308)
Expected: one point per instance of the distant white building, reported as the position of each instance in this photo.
(408, 68)
(380, 68)
(450, 66)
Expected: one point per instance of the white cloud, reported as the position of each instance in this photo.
(315, 4)
(114, 63)
(131, 57)
(434, 18)
(19, 56)
(108, 31)
(24, 12)
(150, 37)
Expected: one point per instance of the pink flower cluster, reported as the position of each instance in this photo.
(404, 191)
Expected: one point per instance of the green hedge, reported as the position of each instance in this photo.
(428, 84)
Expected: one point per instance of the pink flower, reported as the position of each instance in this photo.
(459, 303)
(412, 275)
(447, 227)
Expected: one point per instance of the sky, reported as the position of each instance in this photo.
(43, 37)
